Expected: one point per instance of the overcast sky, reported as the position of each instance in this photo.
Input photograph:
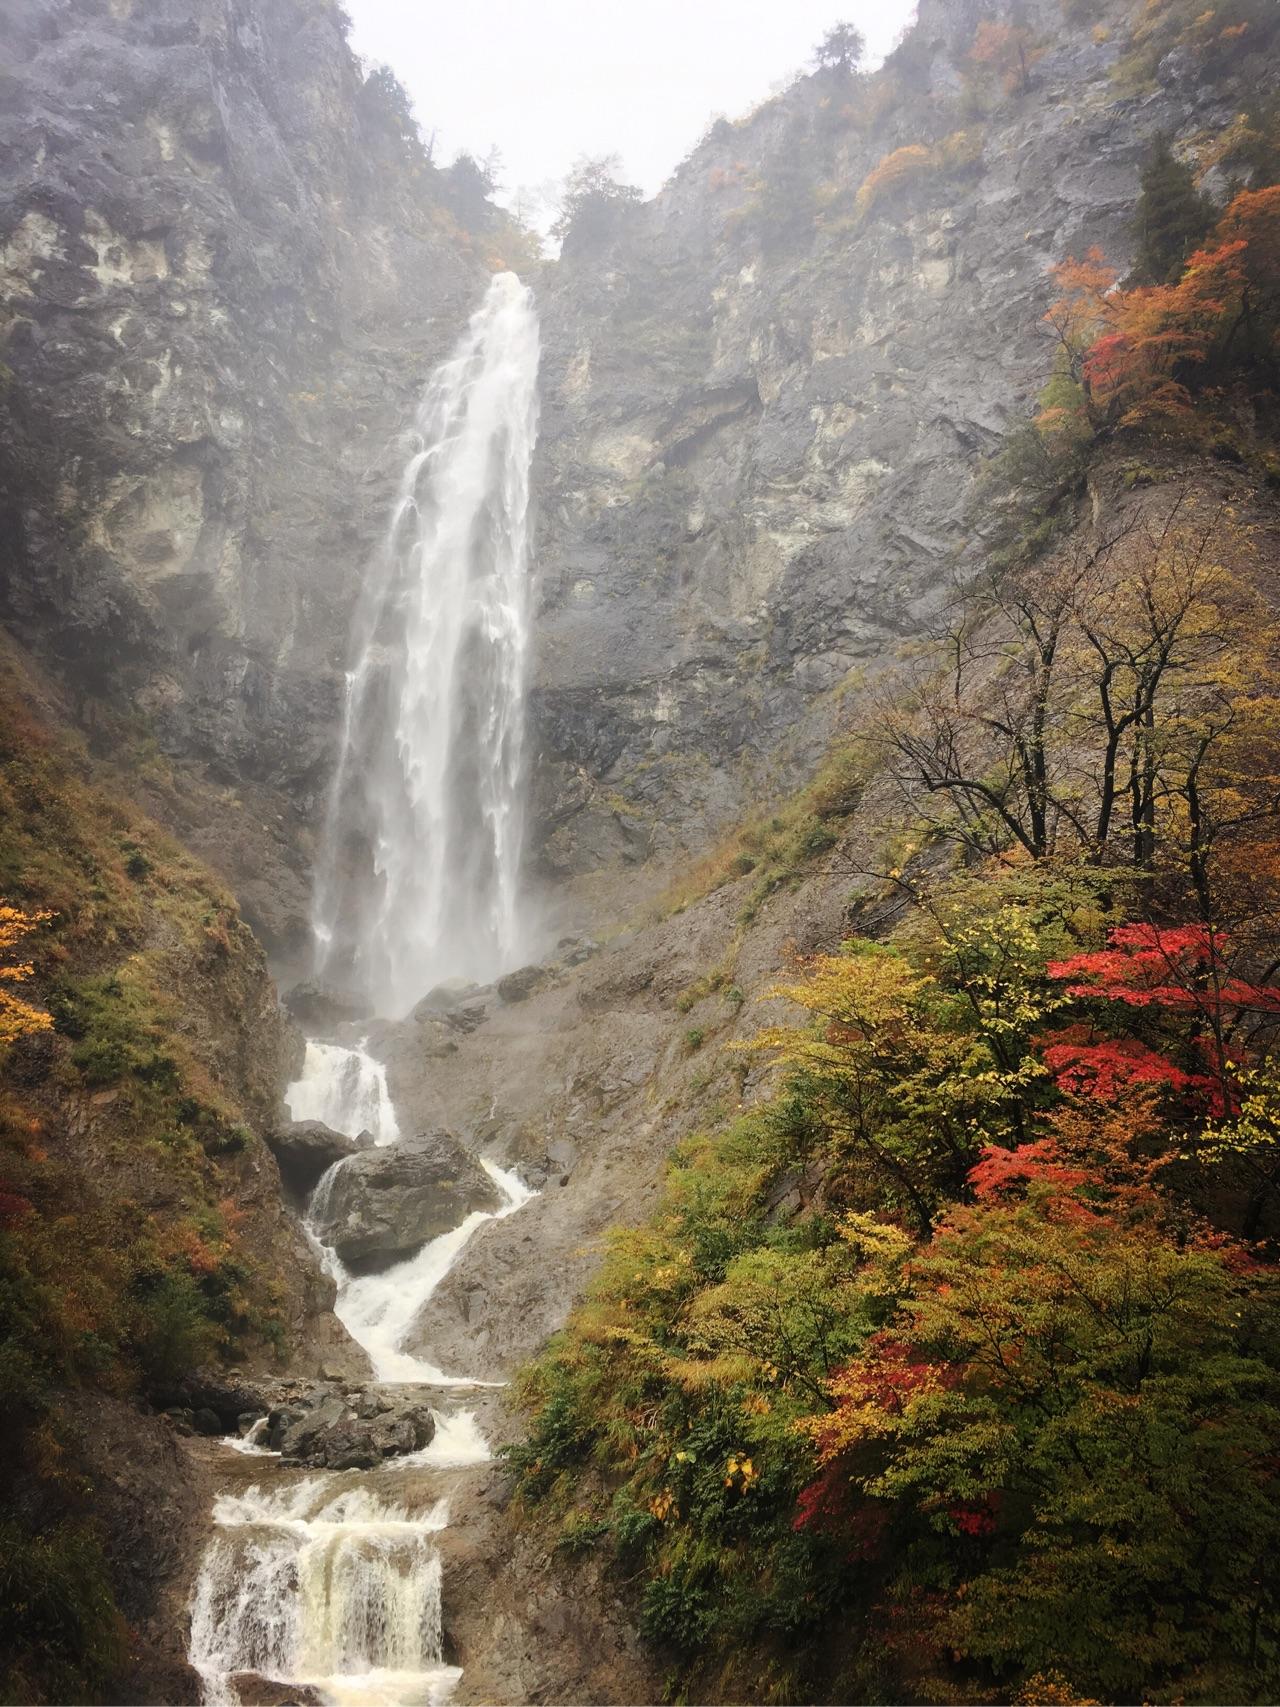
(547, 80)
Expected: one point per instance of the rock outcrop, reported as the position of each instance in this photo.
(229, 269)
(306, 1149)
(329, 1428)
(384, 1204)
(766, 405)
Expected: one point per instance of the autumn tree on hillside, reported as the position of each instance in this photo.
(1063, 1442)
(18, 1018)
(841, 49)
(1087, 704)
(1172, 217)
(1140, 356)
(593, 200)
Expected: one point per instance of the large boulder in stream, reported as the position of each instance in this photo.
(384, 1204)
(306, 1149)
(333, 1429)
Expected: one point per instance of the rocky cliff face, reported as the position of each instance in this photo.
(228, 272)
(768, 397)
(225, 269)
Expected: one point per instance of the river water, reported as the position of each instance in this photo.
(332, 1582)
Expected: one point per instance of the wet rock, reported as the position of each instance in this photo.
(519, 985)
(227, 1398)
(443, 997)
(253, 1690)
(306, 1149)
(384, 1204)
(329, 1430)
(319, 1006)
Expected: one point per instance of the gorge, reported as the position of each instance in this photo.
(638, 1008)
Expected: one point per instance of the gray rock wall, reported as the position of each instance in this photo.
(223, 275)
(764, 413)
(226, 276)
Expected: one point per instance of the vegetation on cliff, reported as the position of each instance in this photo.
(950, 1370)
(130, 1078)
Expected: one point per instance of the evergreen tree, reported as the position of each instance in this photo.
(841, 48)
(1171, 219)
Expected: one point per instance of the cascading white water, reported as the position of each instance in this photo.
(346, 1089)
(336, 1591)
(320, 1583)
(417, 880)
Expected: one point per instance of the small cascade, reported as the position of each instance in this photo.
(346, 1089)
(339, 1592)
(320, 1582)
(377, 1310)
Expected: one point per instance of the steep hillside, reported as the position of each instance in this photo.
(142, 1230)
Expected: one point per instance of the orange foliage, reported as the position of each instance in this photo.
(18, 1018)
(1139, 353)
(1007, 50)
(901, 167)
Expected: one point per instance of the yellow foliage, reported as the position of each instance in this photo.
(904, 166)
(17, 1017)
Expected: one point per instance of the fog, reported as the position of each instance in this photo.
(546, 83)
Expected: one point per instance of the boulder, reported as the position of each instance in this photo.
(226, 1396)
(330, 1430)
(519, 985)
(319, 1006)
(306, 1149)
(382, 1205)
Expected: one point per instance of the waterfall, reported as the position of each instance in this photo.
(346, 1089)
(417, 879)
(338, 1592)
(321, 1583)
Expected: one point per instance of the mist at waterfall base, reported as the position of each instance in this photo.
(418, 876)
(329, 1583)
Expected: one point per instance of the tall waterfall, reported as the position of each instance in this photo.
(417, 879)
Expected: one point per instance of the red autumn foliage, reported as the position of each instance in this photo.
(1104, 1069)
(13, 1208)
(893, 1371)
(1179, 967)
(976, 1518)
(1000, 1170)
(1140, 353)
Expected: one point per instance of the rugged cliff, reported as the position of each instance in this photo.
(766, 395)
(227, 266)
(770, 390)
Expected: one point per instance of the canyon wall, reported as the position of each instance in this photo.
(228, 269)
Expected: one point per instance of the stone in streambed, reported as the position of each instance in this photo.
(384, 1204)
(332, 1431)
(518, 986)
(306, 1149)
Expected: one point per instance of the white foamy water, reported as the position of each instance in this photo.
(346, 1089)
(320, 1582)
(417, 879)
(322, 1586)
(378, 1310)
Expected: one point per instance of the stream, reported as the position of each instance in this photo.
(331, 1581)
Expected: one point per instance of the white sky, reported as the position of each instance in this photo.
(548, 80)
